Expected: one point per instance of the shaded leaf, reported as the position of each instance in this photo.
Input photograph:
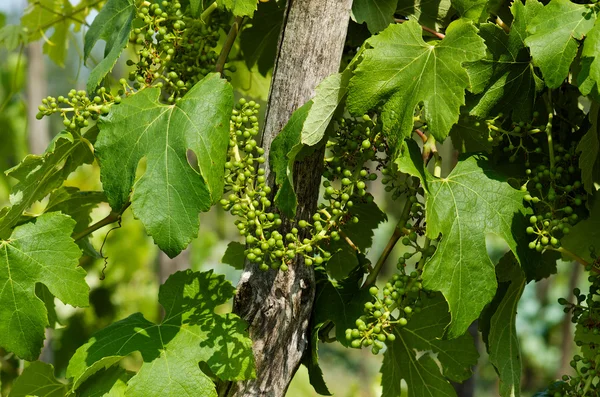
(434, 14)
(113, 25)
(589, 146)
(378, 14)
(266, 25)
(402, 359)
(190, 333)
(234, 255)
(38, 380)
(111, 382)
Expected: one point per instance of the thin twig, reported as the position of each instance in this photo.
(425, 28)
(235, 28)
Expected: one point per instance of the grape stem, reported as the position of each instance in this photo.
(573, 255)
(110, 218)
(398, 232)
(206, 13)
(235, 28)
(548, 102)
(425, 28)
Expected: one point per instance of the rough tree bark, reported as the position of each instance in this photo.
(277, 305)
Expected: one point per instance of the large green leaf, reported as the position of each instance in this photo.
(589, 146)
(470, 203)
(403, 360)
(113, 25)
(401, 70)
(501, 337)
(111, 382)
(38, 380)
(168, 197)
(41, 251)
(191, 332)
(378, 14)
(39, 175)
(554, 35)
(505, 79)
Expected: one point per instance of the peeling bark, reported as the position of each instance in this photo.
(277, 305)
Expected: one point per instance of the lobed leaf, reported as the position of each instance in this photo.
(40, 251)
(168, 197)
(401, 71)
(378, 14)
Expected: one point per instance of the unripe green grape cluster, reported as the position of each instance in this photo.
(176, 51)
(551, 180)
(247, 198)
(77, 108)
(585, 313)
(516, 138)
(557, 197)
(391, 307)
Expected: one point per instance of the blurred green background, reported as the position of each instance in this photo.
(135, 268)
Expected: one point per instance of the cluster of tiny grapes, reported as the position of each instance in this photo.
(552, 178)
(402, 295)
(77, 108)
(586, 314)
(176, 51)
(247, 194)
(394, 306)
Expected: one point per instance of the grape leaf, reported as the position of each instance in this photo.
(266, 24)
(431, 13)
(11, 36)
(168, 197)
(329, 94)
(475, 10)
(78, 205)
(554, 32)
(421, 373)
(341, 302)
(401, 70)
(505, 79)
(588, 79)
(234, 255)
(191, 332)
(113, 25)
(311, 362)
(239, 8)
(589, 146)
(501, 338)
(471, 202)
(38, 380)
(40, 251)
(39, 175)
(378, 14)
(111, 382)
(584, 238)
(284, 149)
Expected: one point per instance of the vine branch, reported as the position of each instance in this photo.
(425, 28)
(110, 218)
